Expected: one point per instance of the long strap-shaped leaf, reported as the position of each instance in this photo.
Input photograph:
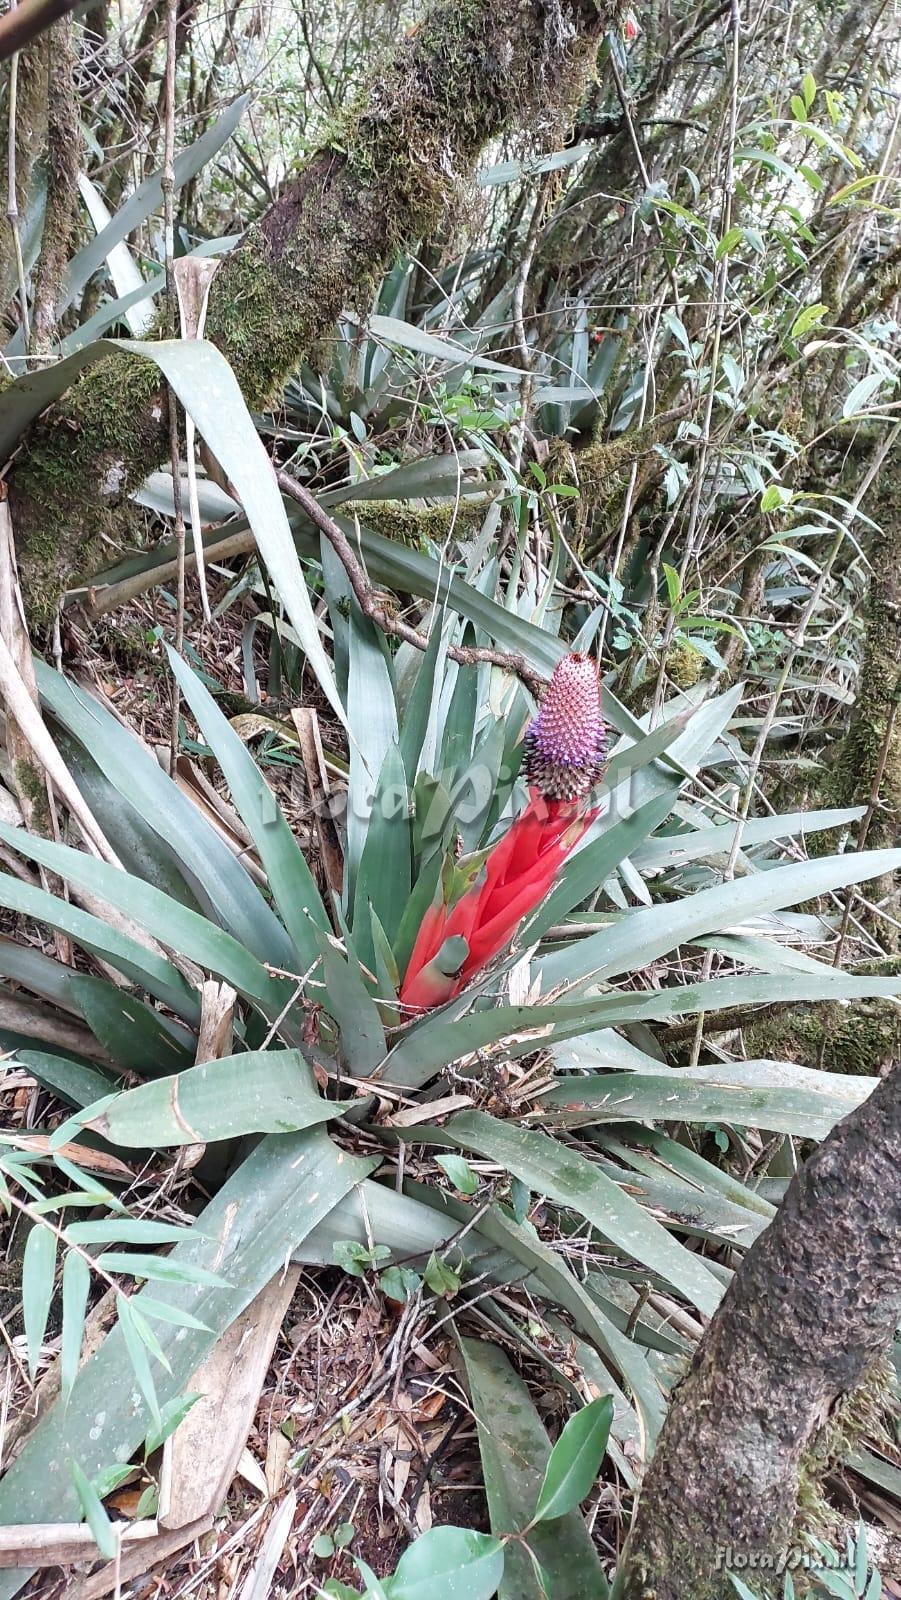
(264, 1211)
(656, 930)
(173, 924)
(134, 960)
(550, 1168)
(133, 773)
(293, 885)
(515, 1450)
(443, 1038)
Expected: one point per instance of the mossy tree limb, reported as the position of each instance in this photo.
(813, 1306)
(389, 178)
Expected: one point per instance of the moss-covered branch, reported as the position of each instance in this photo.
(388, 178)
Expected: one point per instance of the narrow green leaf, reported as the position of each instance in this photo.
(38, 1271)
(76, 1286)
(293, 885)
(188, 932)
(94, 1514)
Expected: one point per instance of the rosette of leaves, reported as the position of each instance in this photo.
(321, 1043)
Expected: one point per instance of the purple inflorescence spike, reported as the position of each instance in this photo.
(565, 744)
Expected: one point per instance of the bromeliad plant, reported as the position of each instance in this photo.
(468, 818)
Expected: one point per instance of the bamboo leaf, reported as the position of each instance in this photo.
(94, 1514)
(76, 1287)
(38, 1272)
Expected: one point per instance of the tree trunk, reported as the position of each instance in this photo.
(816, 1300)
(470, 70)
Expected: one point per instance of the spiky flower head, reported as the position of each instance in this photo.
(565, 745)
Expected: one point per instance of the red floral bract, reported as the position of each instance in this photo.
(564, 749)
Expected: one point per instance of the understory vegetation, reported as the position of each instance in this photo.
(450, 788)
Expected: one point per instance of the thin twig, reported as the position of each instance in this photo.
(377, 607)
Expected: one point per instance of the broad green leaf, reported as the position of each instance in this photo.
(514, 1448)
(449, 1563)
(575, 1460)
(728, 242)
(38, 1272)
(94, 1514)
(860, 396)
(459, 1172)
(284, 1188)
(807, 318)
(551, 1168)
(705, 1094)
(76, 1286)
(73, 1081)
(293, 885)
(131, 1032)
(362, 1043)
(260, 1091)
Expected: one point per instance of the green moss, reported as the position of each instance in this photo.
(70, 490)
(31, 785)
(684, 665)
(859, 1040)
(416, 526)
(860, 1417)
(390, 176)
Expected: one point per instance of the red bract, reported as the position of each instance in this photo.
(564, 752)
(515, 879)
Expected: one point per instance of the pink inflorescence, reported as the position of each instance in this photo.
(565, 744)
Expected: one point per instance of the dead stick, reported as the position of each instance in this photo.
(373, 604)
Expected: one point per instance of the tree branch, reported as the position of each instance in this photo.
(378, 608)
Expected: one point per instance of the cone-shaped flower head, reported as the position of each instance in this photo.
(564, 750)
(565, 743)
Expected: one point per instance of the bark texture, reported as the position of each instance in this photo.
(391, 177)
(815, 1303)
